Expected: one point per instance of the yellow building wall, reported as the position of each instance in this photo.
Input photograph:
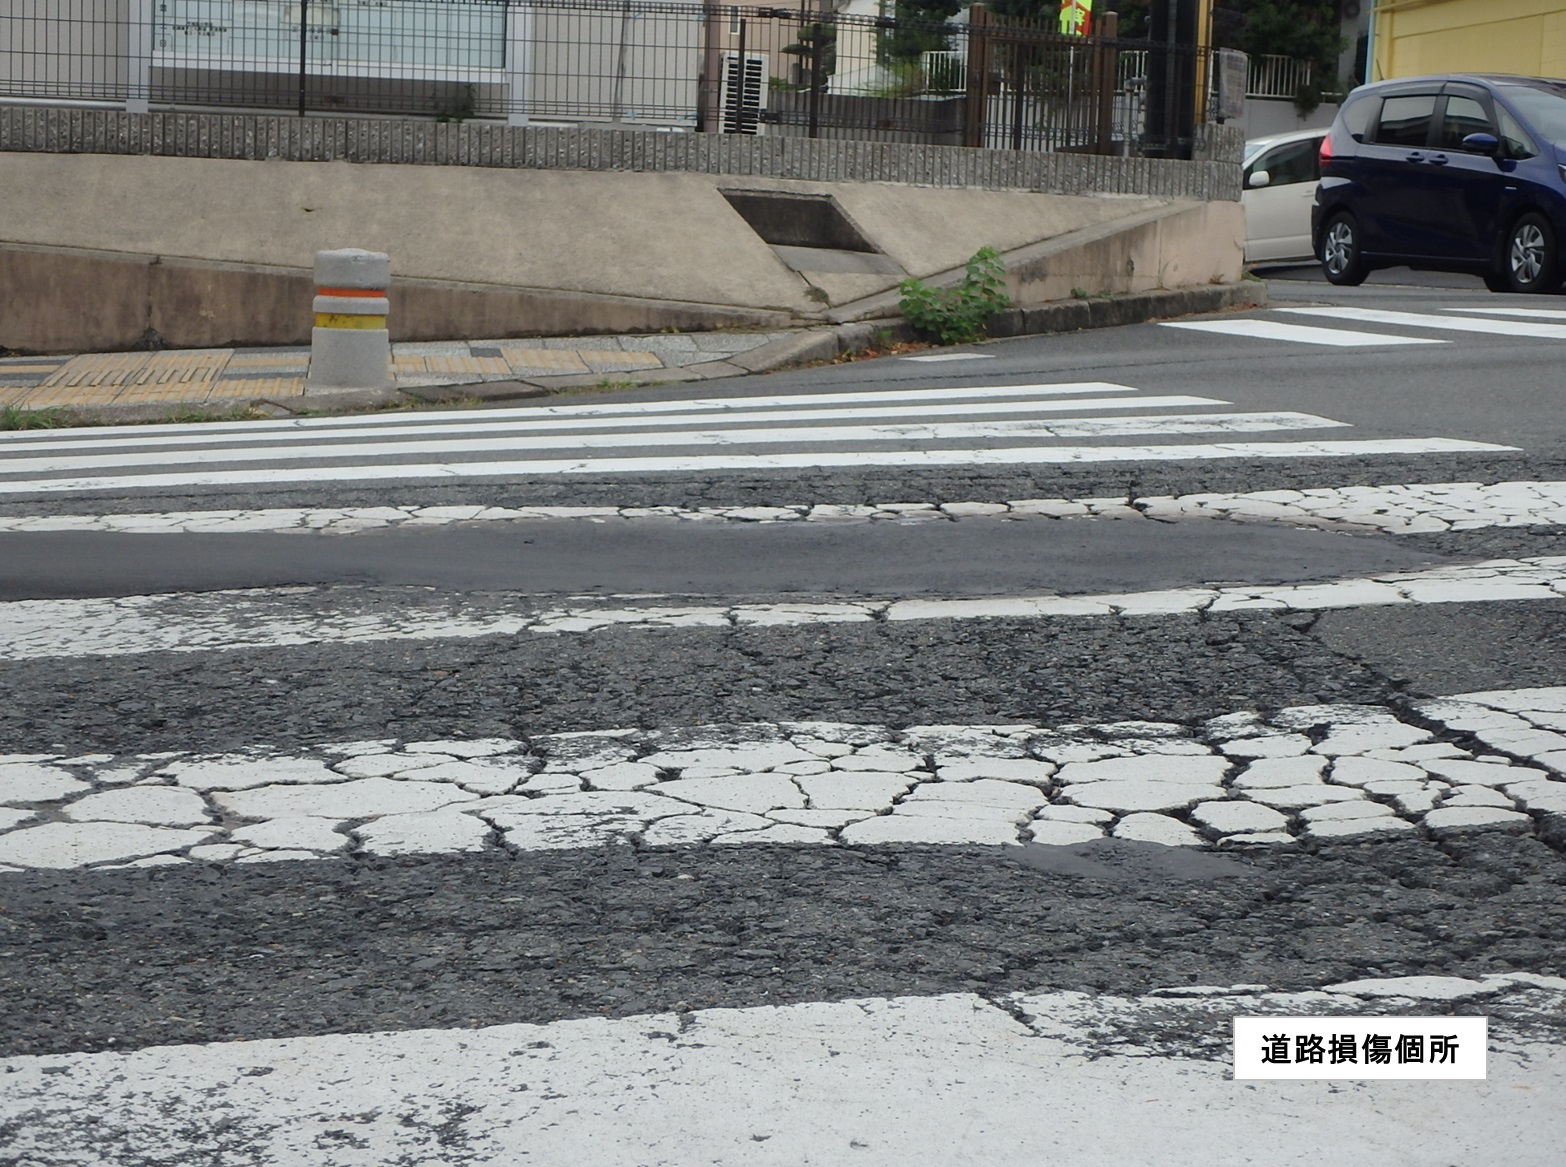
(1413, 37)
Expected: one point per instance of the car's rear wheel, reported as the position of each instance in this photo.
(1529, 261)
(1341, 261)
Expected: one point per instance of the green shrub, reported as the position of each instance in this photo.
(958, 315)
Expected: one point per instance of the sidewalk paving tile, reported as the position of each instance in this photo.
(195, 376)
(618, 361)
(524, 360)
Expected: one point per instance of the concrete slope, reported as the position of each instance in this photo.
(517, 252)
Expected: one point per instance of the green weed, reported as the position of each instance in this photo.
(14, 417)
(958, 315)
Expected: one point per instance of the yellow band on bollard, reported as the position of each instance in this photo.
(345, 320)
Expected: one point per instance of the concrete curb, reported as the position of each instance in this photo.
(806, 347)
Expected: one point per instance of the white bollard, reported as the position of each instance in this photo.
(350, 347)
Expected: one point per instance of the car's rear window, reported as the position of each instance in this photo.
(1357, 114)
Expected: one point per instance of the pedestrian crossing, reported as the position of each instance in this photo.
(640, 939)
(1350, 326)
(1032, 424)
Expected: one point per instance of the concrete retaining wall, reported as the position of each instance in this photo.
(60, 300)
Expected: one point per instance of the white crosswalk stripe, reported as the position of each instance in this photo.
(1004, 425)
(1299, 333)
(879, 1081)
(1534, 313)
(819, 784)
(1497, 327)
(1325, 329)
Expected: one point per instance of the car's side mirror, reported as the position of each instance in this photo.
(1482, 144)
(1258, 178)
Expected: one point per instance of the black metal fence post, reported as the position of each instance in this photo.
(304, 42)
(815, 80)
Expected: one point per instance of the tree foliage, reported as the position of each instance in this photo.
(1307, 30)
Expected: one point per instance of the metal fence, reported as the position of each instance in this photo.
(681, 67)
(1278, 76)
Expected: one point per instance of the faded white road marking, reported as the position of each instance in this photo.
(264, 617)
(821, 459)
(730, 406)
(1317, 773)
(1519, 328)
(880, 1082)
(1298, 333)
(937, 357)
(527, 424)
(1540, 313)
(1403, 509)
(1065, 427)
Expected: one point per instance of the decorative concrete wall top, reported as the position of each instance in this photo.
(1215, 176)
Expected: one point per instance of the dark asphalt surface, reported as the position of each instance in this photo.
(289, 949)
(1049, 671)
(940, 558)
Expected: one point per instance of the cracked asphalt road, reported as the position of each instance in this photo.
(470, 941)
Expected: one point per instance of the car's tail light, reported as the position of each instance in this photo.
(1326, 148)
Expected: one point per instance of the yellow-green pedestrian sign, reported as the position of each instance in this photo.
(1076, 17)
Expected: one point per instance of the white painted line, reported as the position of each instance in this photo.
(1402, 509)
(820, 783)
(997, 456)
(1519, 328)
(900, 1081)
(737, 405)
(1540, 313)
(1067, 427)
(196, 436)
(269, 617)
(1301, 334)
(932, 359)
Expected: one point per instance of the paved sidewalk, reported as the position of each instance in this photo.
(232, 377)
(147, 386)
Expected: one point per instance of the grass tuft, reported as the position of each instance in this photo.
(14, 417)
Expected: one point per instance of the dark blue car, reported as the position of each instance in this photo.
(1451, 173)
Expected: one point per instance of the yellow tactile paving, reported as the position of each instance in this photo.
(556, 360)
(17, 369)
(99, 370)
(13, 394)
(182, 368)
(46, 396)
